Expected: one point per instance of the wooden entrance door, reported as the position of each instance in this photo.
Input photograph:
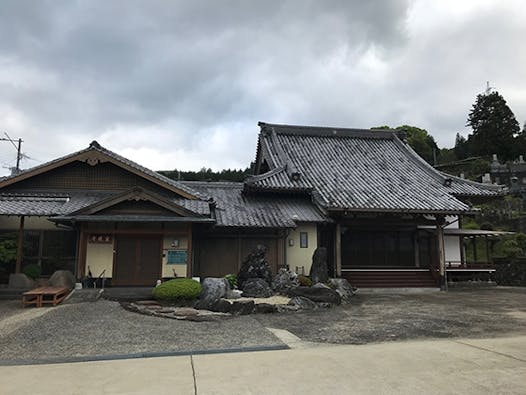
(137, 260)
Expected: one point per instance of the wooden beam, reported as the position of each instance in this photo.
(20, 246)
(338, 250)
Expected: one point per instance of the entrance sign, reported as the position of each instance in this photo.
(177, 257)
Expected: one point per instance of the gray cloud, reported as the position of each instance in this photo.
(183, 84)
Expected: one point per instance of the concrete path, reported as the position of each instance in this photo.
(459, 366)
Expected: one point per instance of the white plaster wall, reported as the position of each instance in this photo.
(452, 220)
(301, 257)
(452, 249)
(30, 223)
(181, 270)
(99, 257)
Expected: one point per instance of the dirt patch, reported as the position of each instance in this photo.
(497, 311)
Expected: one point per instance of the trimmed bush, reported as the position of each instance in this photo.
(232, 280)
(32, 271)
(177, 289)
(304, 281)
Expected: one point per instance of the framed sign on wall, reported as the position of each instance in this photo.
(176, 257)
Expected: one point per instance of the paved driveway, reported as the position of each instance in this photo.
(473, 313)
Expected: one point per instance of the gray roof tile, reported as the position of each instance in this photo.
(236, 209)
(362, 170)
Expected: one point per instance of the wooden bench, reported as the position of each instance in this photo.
(44, 295)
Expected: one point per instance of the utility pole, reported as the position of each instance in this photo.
(18, 148)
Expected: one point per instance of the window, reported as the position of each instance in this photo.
(304, 240)
(51, 249)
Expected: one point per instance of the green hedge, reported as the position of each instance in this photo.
(32, 271)
(177, 289)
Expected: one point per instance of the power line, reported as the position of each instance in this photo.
(18, 148)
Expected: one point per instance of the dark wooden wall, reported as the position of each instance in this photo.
(80, 175)
(219, 254)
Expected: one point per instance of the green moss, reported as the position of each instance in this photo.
(177, 289)
(304, 281)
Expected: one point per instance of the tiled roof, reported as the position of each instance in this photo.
(197, 206)
(46, 204)
(466, 188)
(236, 209)
(354, 169)
(94, 146)
(67, 202)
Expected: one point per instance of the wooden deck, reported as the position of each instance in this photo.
(44, 295)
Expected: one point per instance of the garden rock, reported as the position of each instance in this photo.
(342, 286)
(256, 288)
(325, 295)
(255, 265)
(302, 303)
(242, 308)
(221, 306)
(20, 281)
(62, 278)
(319, 272)
(265, 308)
(213, 289)
(284, 280)
(233, 294)
(321, 285)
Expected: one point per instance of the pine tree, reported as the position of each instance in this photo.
(494, 127)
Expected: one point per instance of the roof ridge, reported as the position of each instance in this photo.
(325, 130)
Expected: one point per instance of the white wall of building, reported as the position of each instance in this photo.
(300, 259)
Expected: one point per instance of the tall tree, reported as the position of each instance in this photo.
(461, 147)
(422, 142)
(494, 127)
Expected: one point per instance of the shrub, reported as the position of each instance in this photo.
(177, 289)
(304, 281)
(32, 271)
(232, 280)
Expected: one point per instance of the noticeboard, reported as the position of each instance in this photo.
(177, 257)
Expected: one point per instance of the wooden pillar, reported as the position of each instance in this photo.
(190, 257)
(338, 250)
(488, 259)
(416, 248)
(20, 245)
(441, 253)
(474, 243)
(462, 252)
(81, 254)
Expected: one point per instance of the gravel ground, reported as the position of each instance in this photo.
(475, 313)
(105, 328)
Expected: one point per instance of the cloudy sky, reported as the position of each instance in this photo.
(182, 84)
